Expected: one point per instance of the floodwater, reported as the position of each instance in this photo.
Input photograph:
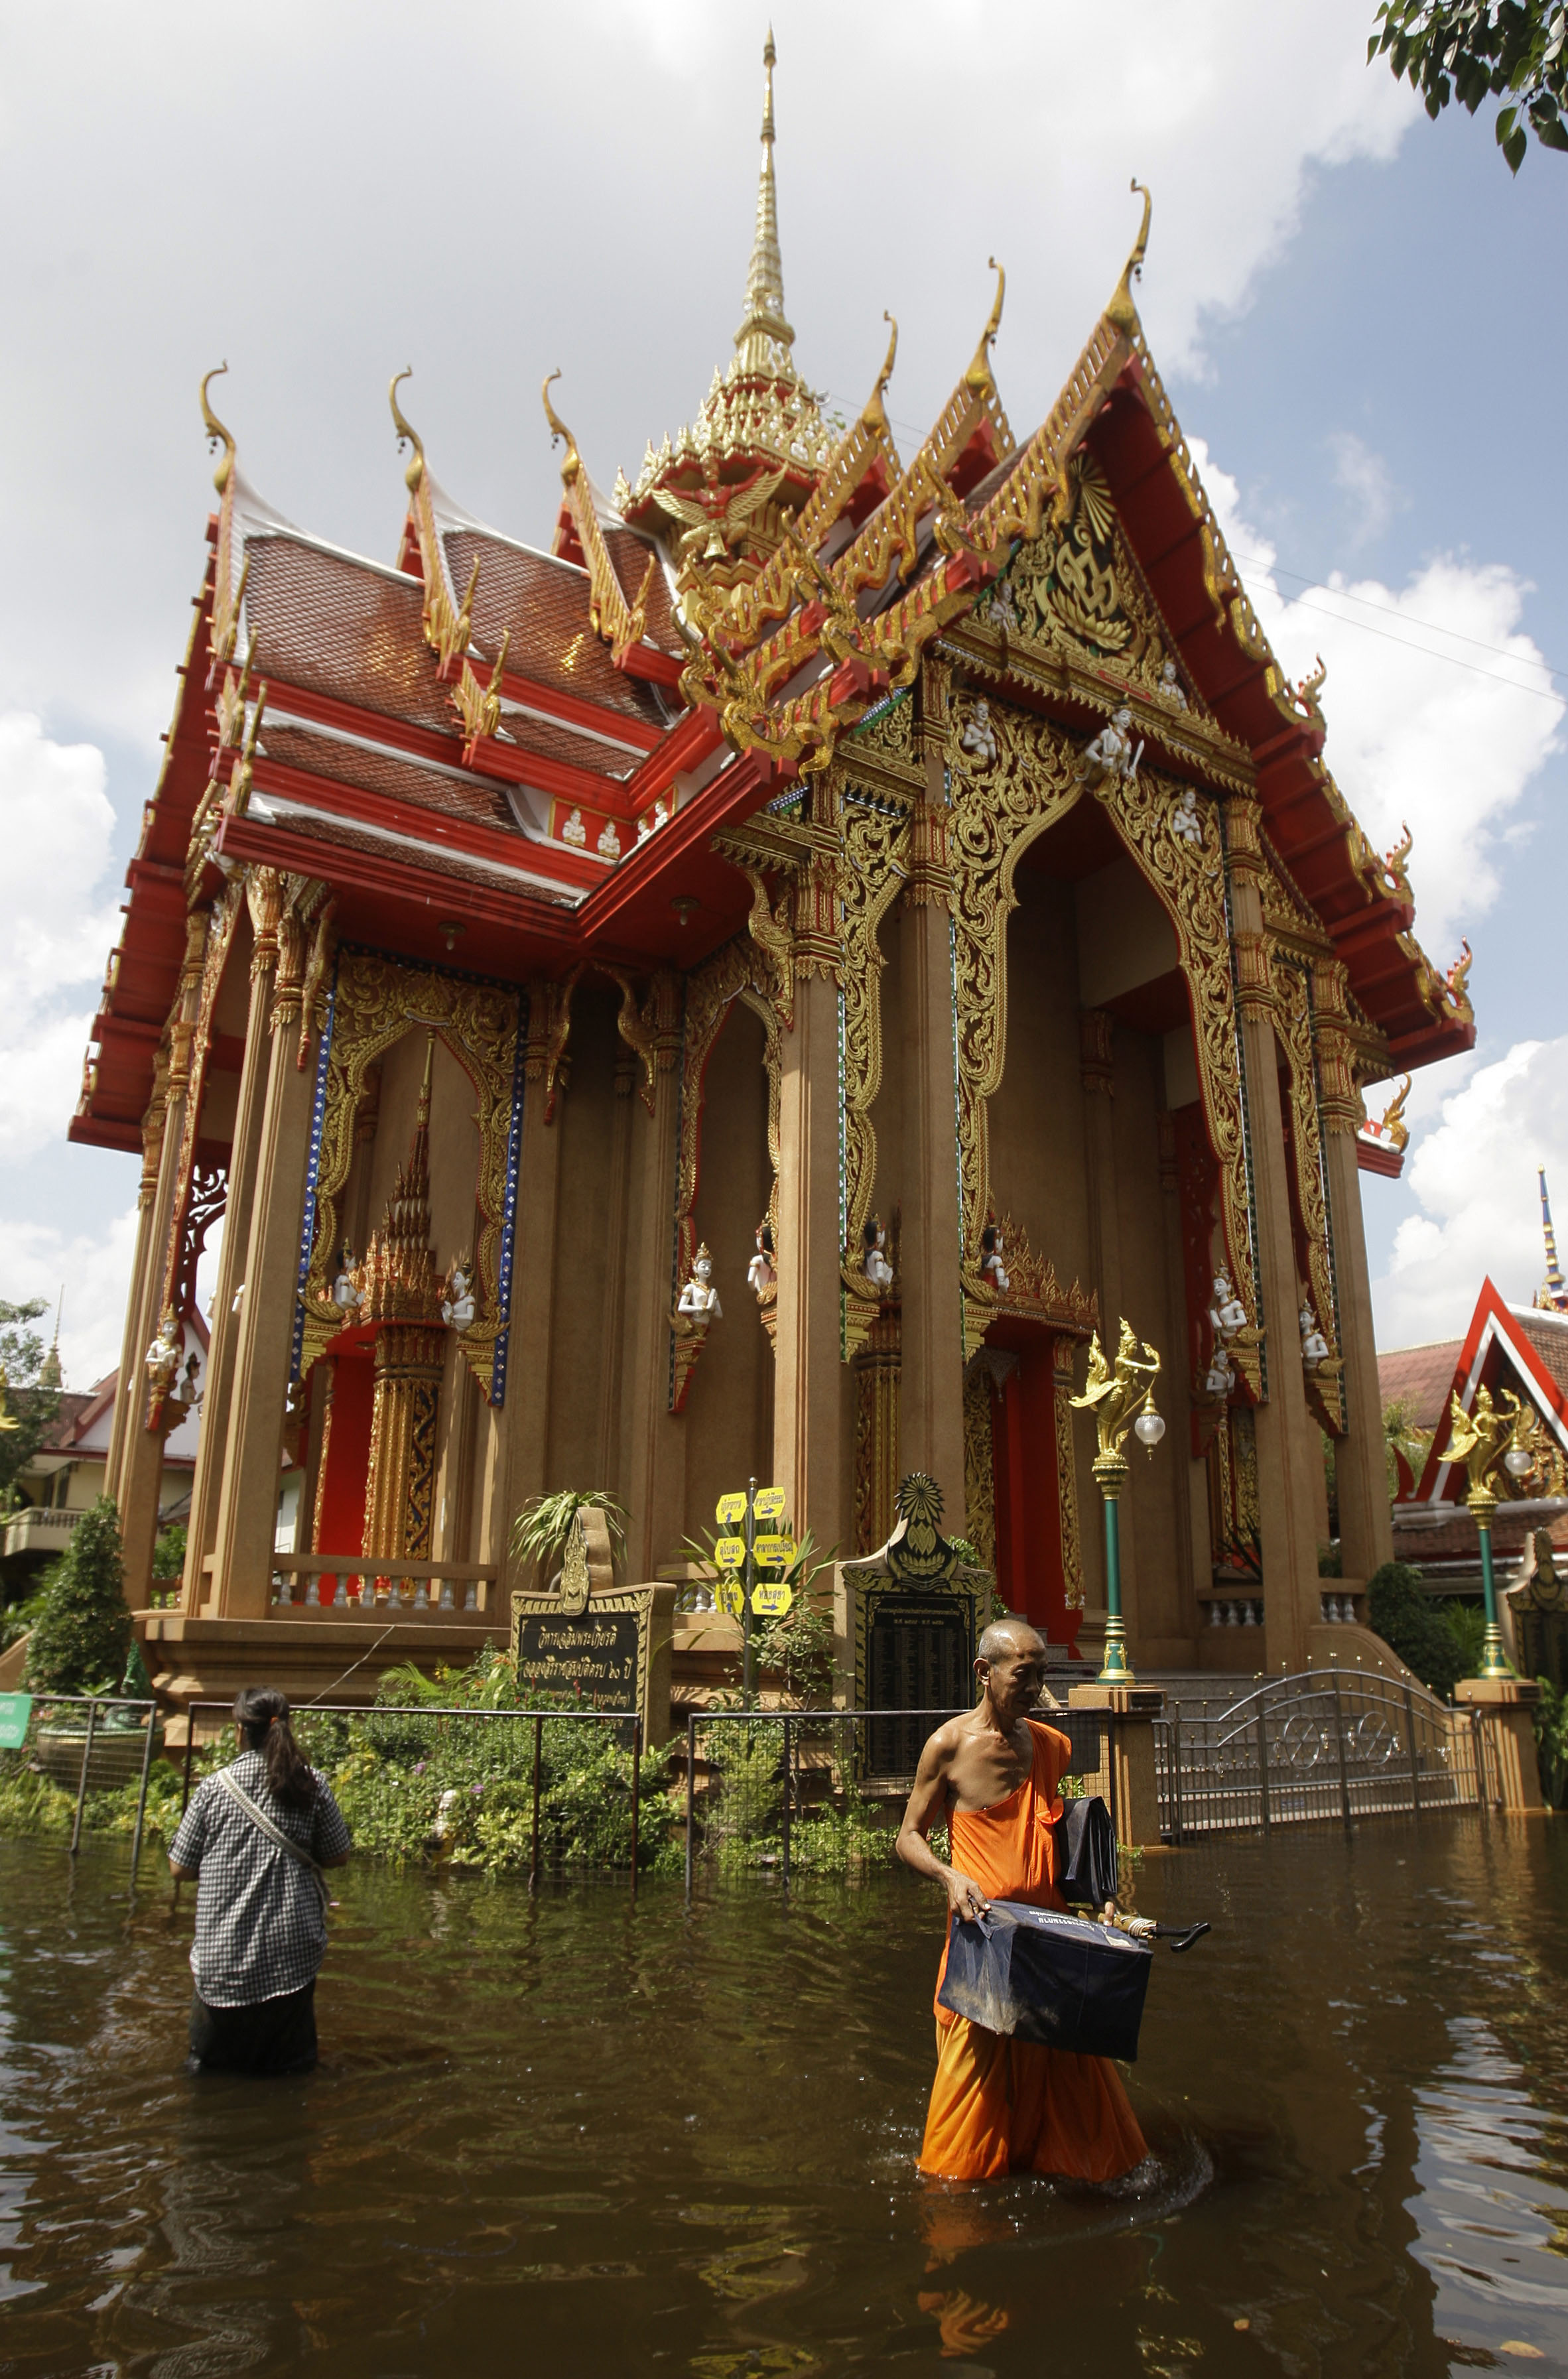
(581, 2136)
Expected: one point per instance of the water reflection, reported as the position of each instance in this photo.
(626, 2140)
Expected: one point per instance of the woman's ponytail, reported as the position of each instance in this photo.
(262, 1716)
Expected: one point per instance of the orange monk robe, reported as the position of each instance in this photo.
(1000, 2105)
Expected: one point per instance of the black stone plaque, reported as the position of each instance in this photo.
(596, 1657)
(919, 1651)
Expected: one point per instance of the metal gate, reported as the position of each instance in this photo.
(1322, 1744)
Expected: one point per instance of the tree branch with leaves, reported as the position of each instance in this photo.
(1471, 49)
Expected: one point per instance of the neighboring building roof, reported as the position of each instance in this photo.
(1420, 1378)
(1507, 1347)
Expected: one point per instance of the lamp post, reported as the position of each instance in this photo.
(1112, 1393)
(1486, 1440)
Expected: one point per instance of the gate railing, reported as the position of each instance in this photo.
(1323, 1744)
(92, 1742)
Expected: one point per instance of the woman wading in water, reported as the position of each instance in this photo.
(257, 1836)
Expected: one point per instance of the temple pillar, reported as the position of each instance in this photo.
(264, 890)
(134, 1343)
(400, 1486)
(807, 1435)
(931, 1388)
(651, 1448)
(1287, 1438)
(141, 1484)
(1097, 1074)
(518, 1438)
(248, 1503)
(1366, 1521)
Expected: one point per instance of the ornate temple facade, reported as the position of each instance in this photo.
(745, 993)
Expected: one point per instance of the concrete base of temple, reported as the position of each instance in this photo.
(312, 1660)
(1508, 1704)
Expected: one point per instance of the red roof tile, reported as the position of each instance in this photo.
(543, 603)
(338, 626)
(1419, 1377)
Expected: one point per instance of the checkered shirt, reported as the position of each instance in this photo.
(259, 1927)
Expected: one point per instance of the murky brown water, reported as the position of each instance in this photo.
(579, 2137)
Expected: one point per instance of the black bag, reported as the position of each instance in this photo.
(1056, 1980)
(1086, 1854)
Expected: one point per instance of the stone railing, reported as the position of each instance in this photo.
(343, 1586)
(38, 1531)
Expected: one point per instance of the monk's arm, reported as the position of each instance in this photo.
(927, 1803)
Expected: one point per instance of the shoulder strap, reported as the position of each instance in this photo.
(227, 1782)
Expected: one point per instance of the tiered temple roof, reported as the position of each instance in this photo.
(523, 758)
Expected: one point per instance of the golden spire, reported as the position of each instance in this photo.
(407, 434)
(764, 339)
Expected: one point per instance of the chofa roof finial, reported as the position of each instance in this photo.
(217, 434)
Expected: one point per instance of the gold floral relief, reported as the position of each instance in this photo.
(1294, 1026)
(219, 935)
(1079, 587)
(375, 1002)
(980, 1480)
(875, 836)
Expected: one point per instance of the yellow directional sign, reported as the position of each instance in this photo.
(768, 1503)
(774, 1552)
(729, 1553)
(728, 1597)
(731, 1508)
(772, 1601)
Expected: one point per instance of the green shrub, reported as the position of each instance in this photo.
(1467, 1623)
(1403, 1614)
(168, 1554)
(1552, 1744)
(81, 1638)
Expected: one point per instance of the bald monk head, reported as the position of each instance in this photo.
(1009, 1668)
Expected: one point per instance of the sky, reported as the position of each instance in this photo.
(1350, 305)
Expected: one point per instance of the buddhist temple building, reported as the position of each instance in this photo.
(746, 987)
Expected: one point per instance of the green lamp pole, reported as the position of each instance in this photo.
(1112, 1393)
(1110, 1476)
(1482, 1503)
(1486, 1440)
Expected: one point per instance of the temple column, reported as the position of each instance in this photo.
(135, 1340)
(1287, 1437)
(1097, 1074)
(930, 1389)
(1366, 1524)
(247, 1503)
(140, 1483)
(263, 892)
(652, 1440)
(518, 1436)
(807, 1435)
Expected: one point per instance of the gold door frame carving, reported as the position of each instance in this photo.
(375, 1002)
(1297, 1030)
(875, 837)
(1001, 801)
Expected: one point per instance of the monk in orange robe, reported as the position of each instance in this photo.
(1000, 2105)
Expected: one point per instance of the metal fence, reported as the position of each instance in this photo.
(98, 1742)
(822, 1792)
(536, 1790)
(1326, 1744)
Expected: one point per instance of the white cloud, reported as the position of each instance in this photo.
(1440, 709)
(96, 1268)
(594, 212)
(56, 823)
(1473, 1179)
(1368, 481)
